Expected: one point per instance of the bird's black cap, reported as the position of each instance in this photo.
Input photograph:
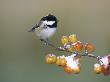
(49, 17)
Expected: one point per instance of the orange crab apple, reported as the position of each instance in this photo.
(78, 46)
(89, 47)
(79, 66)
(77, 58)
(106, 70)
(67, 69)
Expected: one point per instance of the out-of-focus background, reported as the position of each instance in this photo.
(22, 55)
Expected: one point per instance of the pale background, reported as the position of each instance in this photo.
(22, 56)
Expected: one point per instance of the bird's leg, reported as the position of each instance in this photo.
(47, 43)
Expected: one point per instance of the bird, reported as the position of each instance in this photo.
(45, 28)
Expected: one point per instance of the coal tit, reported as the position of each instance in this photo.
(45, 28)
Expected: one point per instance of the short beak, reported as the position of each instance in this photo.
(31, 30)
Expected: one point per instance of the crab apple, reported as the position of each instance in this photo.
(67, 69)
(105, 63)
(79, 66)
(97, 68)
(106, 70)
(109, 59)
(50, 59)
(72, 38)
(70, 49)
(78, 58)
(78, 46)
(89, 47)
(61, 62)
(76, 70)
(64, 40)
(102, 68)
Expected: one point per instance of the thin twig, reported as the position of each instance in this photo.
(66, 50)
(89, 55)
(53, 46)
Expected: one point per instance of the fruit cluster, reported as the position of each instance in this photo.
(72, 44)
(76, 50)
(103, 66)
(69, 63)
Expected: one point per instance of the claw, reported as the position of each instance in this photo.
(46, 42)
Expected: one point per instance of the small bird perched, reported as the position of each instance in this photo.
(45, 28)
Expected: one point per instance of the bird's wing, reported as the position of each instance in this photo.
(39, 24)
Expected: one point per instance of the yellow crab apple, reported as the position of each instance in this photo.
(61, 62)
(50, 59)
(64, 40)
(71, 49)
(98, 68)
(72, 38)
(76, 70)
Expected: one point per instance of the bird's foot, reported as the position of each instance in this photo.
(45, 42)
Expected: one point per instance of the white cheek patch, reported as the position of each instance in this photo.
(49, 22)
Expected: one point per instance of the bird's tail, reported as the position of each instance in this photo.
(33, 28)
